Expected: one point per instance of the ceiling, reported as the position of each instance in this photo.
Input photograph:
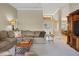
(48, 8)
(37, 5)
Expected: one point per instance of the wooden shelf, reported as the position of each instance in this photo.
(72, 39)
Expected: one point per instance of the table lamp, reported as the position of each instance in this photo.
(13, 23)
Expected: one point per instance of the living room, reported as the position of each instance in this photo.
(37, 26)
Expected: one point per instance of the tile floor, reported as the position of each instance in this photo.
(56, 48)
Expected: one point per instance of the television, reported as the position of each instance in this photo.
(76, 27)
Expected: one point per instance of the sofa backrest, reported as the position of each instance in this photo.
(5, 34)
(27, 33)
(33, 33)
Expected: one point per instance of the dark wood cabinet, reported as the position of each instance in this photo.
(72, 38)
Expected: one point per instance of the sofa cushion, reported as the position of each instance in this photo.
(11, 34)
(5, 53)
(3, 34)
(3, 43)
(39, 40)
(10, 40)
(27, 38)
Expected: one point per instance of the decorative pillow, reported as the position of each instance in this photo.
(42, 34)
(3, 34)
(36, 33)
(11, 34)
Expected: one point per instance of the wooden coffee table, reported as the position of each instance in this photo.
(24, 43)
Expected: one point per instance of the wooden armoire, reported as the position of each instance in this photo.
(73, 30)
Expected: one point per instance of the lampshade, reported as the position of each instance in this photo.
(12, 22)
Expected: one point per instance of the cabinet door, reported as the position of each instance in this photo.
(77, 44)
(74, 42)
(71, 41)
(68, 39)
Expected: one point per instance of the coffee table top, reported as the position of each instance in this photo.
(24, 43)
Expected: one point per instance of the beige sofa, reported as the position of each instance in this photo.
(37, 36)
(7, 40)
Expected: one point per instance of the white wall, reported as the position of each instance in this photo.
(6, 11)
(64, 13)
(30, 20)
(61, 17)
(73, 6)
(56, 17)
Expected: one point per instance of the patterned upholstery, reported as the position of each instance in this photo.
(3, 34)
(11, 34)
(7, 40)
